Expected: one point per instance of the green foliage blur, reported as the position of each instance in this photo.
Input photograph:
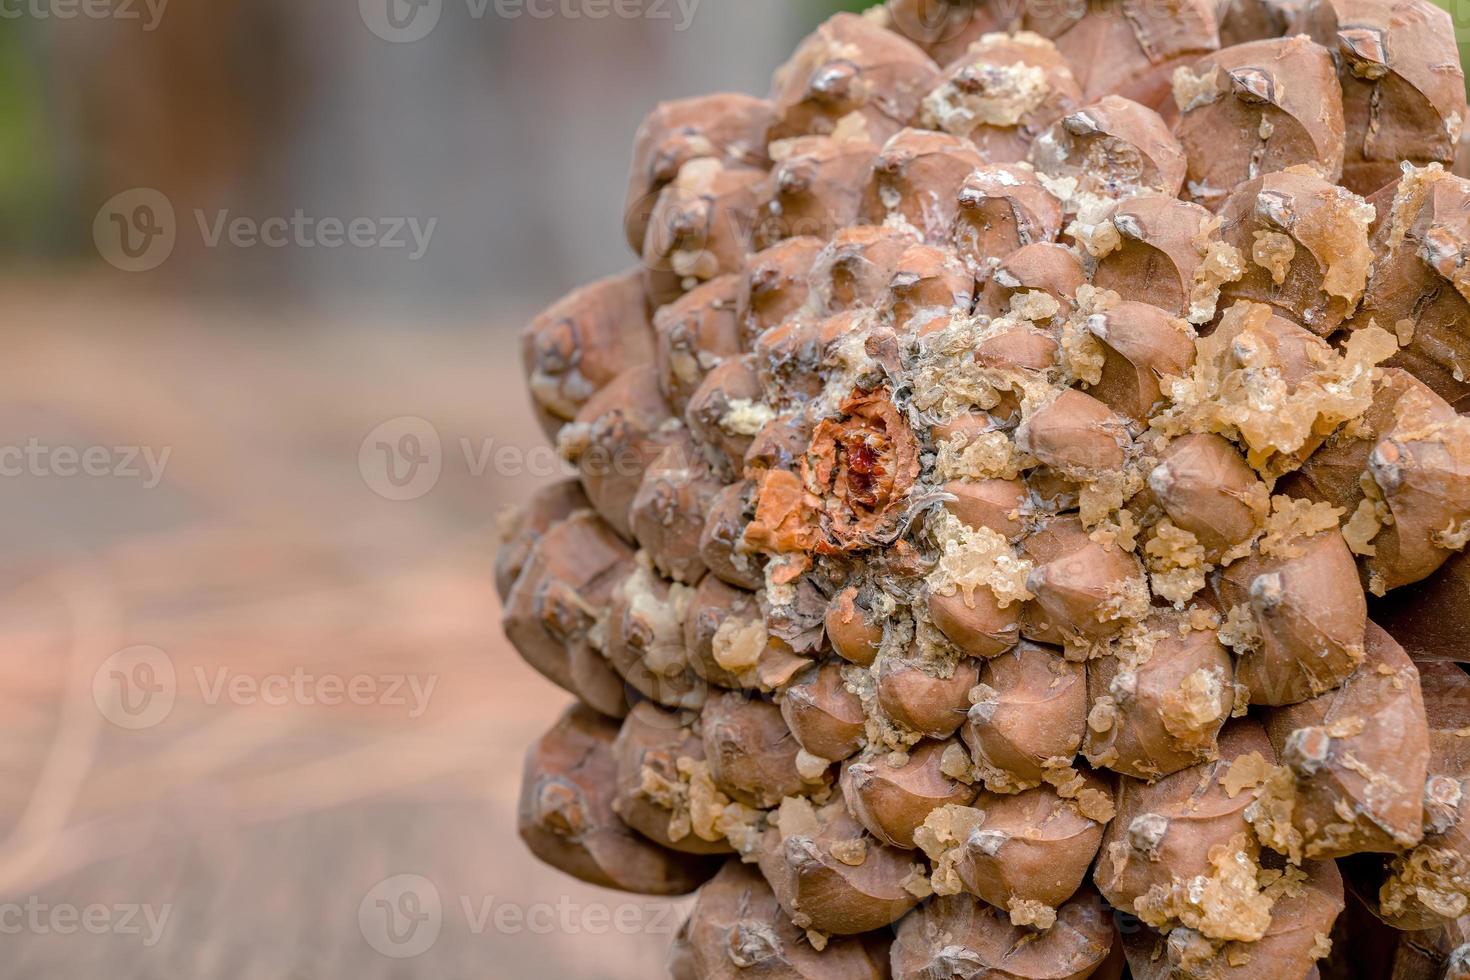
(28, 179)
(1459, 12)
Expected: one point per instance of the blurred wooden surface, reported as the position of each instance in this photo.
(265, 552)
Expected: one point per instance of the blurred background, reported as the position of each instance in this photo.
(254, 694)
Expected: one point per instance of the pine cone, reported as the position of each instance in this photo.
(1023, 501)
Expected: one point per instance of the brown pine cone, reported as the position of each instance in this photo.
(1023, 504)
